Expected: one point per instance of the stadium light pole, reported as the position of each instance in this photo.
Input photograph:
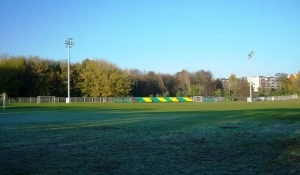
(3, 100)
(250, 55)
(69, 43)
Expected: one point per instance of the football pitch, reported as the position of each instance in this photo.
(151, 138)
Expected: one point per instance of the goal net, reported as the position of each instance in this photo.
(205, 99)
(197, 98)
(210, 99)
(46, 99)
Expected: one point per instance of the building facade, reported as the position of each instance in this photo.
(262, 83)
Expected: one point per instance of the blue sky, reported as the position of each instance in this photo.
(164, 36)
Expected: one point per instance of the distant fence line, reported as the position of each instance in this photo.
(52, 99)
(277, 98)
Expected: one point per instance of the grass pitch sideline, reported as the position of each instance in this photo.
(177, 138)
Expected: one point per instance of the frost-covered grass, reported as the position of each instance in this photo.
(160, 138)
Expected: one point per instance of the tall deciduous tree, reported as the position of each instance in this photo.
(183, 83)
(205, 83)
(147, 84)
(45, 76)
(154, 84)
(169, 82)
(219, 88)
(242, 89)
(12, 70)
(292, 84)
(137, 80)
(101, 78)
(198, 82)
(232, 83)
(76, 80)
(297, 83)
(283, 82)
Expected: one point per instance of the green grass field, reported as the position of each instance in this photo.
(156, 138)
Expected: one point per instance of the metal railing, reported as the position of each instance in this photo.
(63, 99)
(111, 99)
(277, 98)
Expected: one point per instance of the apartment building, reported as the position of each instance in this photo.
(262, 82)
(259, 83)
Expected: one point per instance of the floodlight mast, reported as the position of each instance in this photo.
(69, 43)
(250, 55)
(3, 98)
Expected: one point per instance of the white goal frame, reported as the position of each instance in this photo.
(205, 99)
(198, 98)
(45, 99)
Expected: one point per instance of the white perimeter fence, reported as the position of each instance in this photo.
(52, 99)
(276, 98)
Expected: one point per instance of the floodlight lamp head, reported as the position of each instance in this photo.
(250, 55)
(69, 42)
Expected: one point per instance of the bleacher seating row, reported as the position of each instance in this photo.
(163, 99)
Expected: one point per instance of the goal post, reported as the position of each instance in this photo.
(45, 99)
(3, 100)
(198, 98)
(205, 99)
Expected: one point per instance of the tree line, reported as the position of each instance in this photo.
(31, 76)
